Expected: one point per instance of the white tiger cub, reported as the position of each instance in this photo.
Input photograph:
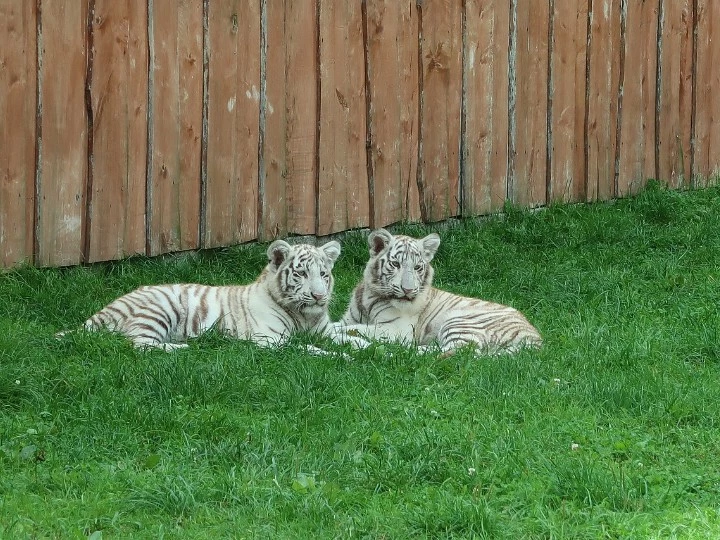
(396, 301)
(291, 294)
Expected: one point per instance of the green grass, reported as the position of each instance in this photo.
(611, 430)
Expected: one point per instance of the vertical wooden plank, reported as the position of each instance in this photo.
(62, 162)
(528, 182)
(118, 94)
(441, 117)
(637, 130)
(233, 122)
(176, 124)
(343, 196)
(567, 128)
(274, 152)
(18, 98)
(675, 92)
(302, 116)
(707, 110)
(393, 73)
(291, 119)
(486, 105)
(602, 94)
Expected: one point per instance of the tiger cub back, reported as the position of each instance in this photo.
(396, 301)
(291, 294)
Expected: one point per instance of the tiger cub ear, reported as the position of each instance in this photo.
(331, 250)
(430, 245)
(278, 252)
(378, 241)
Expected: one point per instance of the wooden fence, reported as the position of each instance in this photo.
(147, 127)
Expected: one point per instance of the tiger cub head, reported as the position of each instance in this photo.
(301, 274)
(399, 266)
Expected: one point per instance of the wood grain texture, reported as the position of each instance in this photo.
(441, 53)
(302, 117)
(343, 199)
(675, 113)
(528, 182)
(233, 122)
(392, 28)
(291, 119)
(176, 125)
(567, 118)
(707, 112)
(603, 91)
(486, 106)
(637, 129)
(62, 161)
(18, 98)
(118, 93)
(274, 219)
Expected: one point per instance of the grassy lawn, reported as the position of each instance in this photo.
(611, 430)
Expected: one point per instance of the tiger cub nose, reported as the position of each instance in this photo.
(406, 290)
(318, 296)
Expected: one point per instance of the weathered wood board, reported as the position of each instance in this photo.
(675, 107)
(290, 119)
(392, 56)
(636, 162)
(602, 95)
(706, 158)
(118, 95)
(440, 114)
(62, 155)
(176, 93)
(486, 106)
(568, 63)
(528, 144)
(233, 109)
(18, 135)
(343, 198)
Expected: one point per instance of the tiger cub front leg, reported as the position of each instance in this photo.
(168, 347)
(140, 342)
(352, 334)
(360, 335)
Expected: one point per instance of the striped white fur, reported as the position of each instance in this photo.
(396, 301)
(291, 294)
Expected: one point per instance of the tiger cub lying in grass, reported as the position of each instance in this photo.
(291, 294)
(396, 301)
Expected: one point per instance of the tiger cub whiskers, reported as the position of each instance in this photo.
(291, 294)
(396, 301)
